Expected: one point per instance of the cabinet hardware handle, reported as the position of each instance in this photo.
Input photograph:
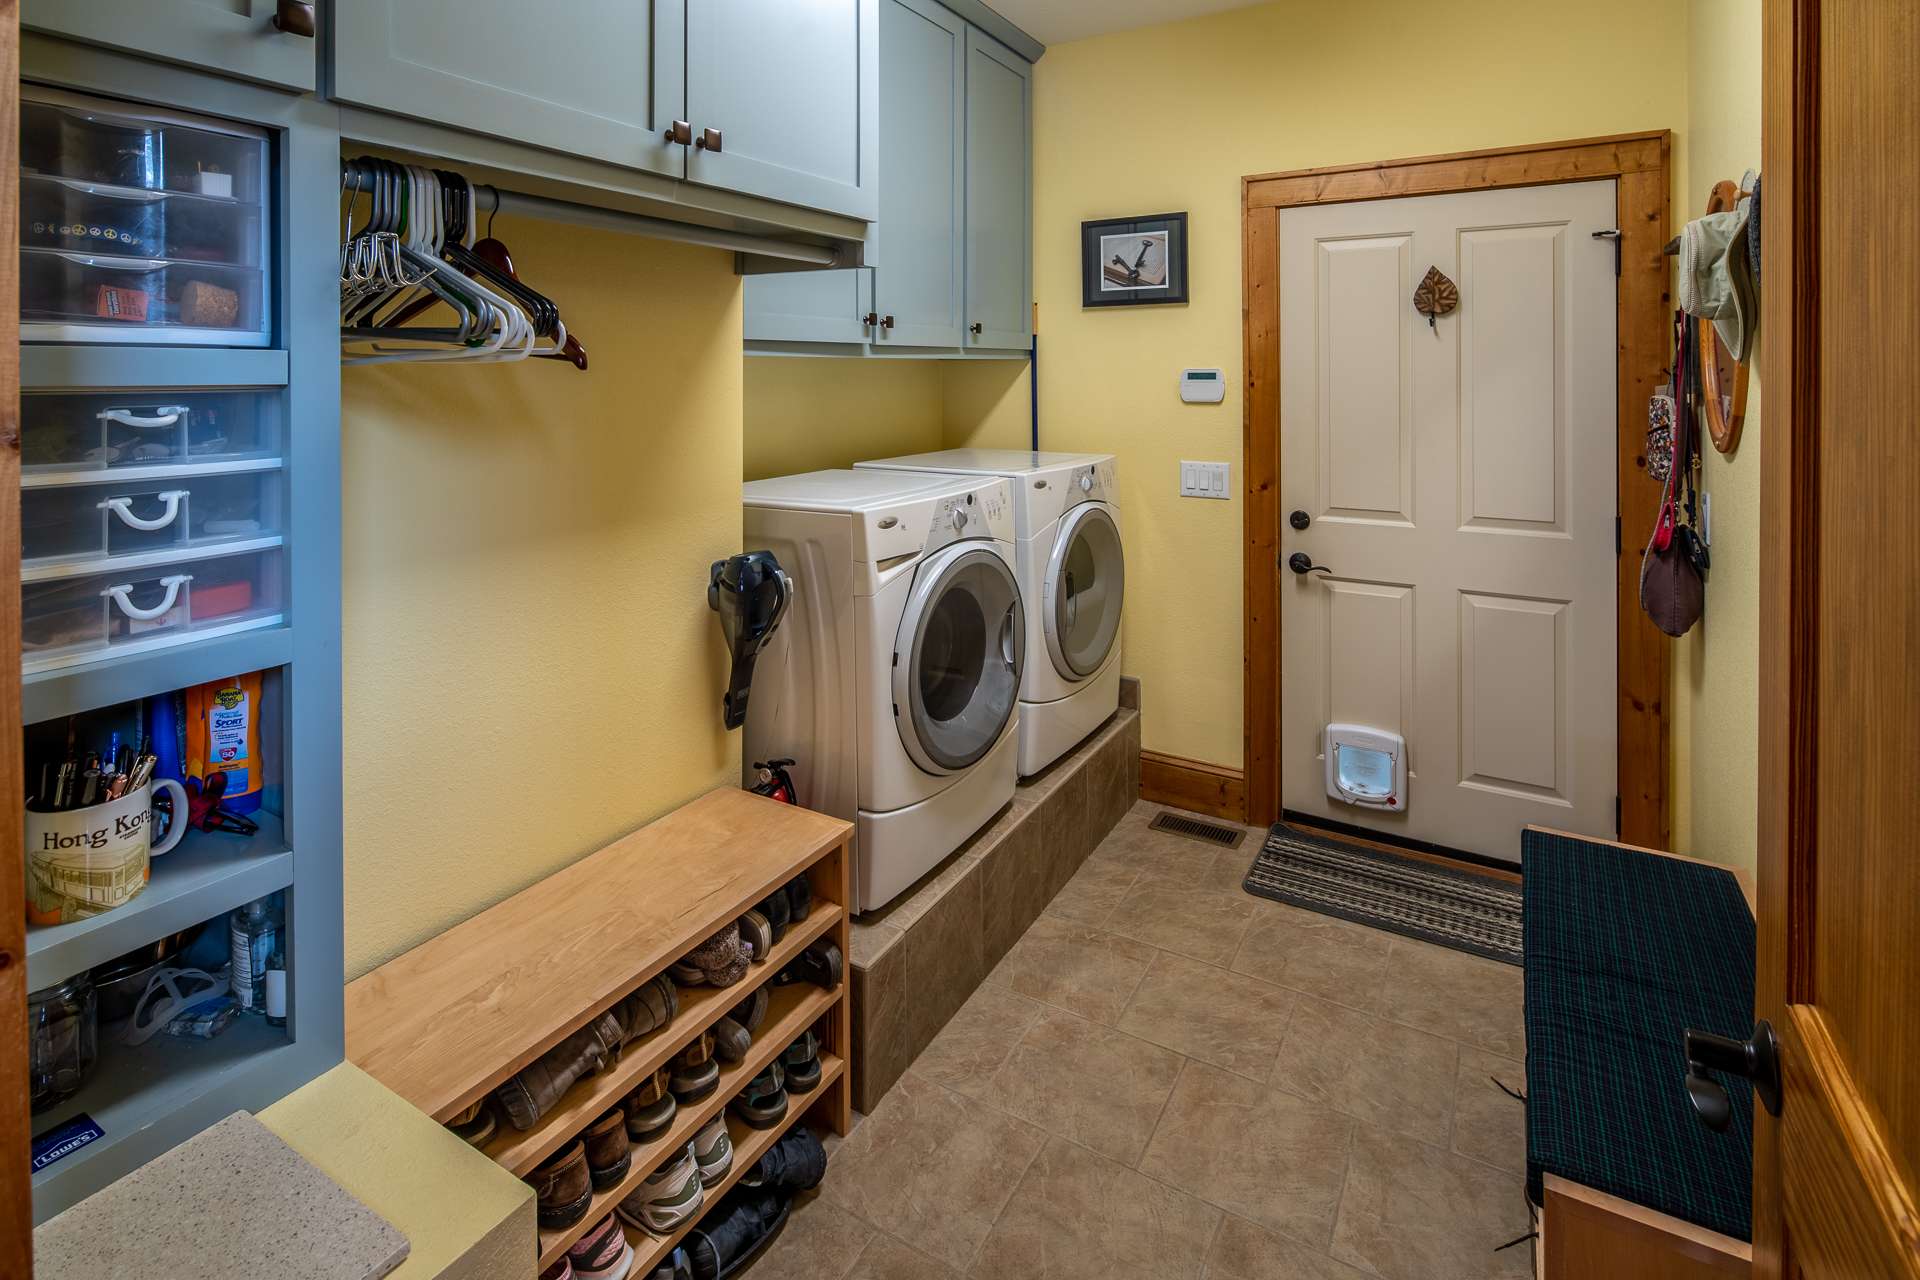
(680, 131)
(128, 418)
(122, 595)
(709, 140)
(974, 328)
(294, 18)
(886, 322)
(123, 507)
(871, 320)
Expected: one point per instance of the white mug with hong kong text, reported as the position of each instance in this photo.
(82, 862)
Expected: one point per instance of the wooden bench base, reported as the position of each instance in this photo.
(1589, 1235)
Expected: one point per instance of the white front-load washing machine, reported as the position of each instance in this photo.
(1072, 578)
(894, 680)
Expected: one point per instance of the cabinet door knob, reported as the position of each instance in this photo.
(974, 328)
(680, 131)
(294, 18)
(709, 140)
(886, 322)
(871, 319)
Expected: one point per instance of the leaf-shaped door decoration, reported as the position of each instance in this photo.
(1436, 296)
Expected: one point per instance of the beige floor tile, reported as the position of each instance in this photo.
(1333, 959)
(1211, 1014)
(1453, 994)
(1087, 1083)
(1415, 1212)
(1487, 1124)
(1095, 890)
(1228, 874)
(819, 1242)
(1253, 1150)
(888, 1259)
(1131, 844)
(1193, 922)
(1243, 1251)
(1091, 972)
(975, 1044)
(1077, 1216)
(932, 1168)
(1375, 1071)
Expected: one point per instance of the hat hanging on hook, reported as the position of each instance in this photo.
(1435, 296)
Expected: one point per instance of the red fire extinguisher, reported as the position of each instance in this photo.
(775, 781)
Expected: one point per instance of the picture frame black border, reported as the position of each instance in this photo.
(1178, 260)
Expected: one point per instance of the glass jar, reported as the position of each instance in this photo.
(62, 1041)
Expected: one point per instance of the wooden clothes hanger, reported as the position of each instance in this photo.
(1723, 379)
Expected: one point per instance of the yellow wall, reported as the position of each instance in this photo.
(530, 666)
(810, 414)
(1171, 117)
(1716, 666)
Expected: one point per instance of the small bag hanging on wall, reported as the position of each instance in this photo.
(1673, 566)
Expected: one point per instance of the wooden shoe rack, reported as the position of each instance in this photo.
(450, 1020)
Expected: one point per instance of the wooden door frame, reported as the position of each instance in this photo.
(1638, 163)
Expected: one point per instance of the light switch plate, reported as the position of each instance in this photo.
(1203, 479)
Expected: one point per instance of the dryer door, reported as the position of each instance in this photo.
(957, 659)
(1086, 580)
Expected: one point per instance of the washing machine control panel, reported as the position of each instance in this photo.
(986, 512)
(1094, 482)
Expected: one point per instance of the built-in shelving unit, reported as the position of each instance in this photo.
(451, 1020)
(180, 420)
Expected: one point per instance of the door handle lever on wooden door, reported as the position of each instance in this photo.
(294, 18)
(1302, 563)
(1757, 1059)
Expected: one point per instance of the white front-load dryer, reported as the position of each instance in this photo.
(894, 680)
(1072, 577)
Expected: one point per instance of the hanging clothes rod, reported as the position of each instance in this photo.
(517, 203)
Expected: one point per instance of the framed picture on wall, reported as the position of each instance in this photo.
(1130, 262)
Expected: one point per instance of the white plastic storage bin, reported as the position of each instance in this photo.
(76, 522)
(140, 225)
(72, 619)
(64, 435)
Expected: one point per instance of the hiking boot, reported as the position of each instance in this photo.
(670, 1196)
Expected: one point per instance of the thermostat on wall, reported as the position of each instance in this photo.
(1203, 386)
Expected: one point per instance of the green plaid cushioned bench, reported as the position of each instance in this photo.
(1623, 951)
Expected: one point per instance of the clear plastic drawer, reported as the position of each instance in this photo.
(63, 433)
(74, 619)
(74, 522)
(140, 225)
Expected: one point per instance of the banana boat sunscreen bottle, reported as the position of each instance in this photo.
(223, 736)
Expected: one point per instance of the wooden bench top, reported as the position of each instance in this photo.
(448, 1020)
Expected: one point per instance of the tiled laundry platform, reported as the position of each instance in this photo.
(916, 961)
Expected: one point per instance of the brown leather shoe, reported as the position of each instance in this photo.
(650, 1108)
(562, 1187)
(695, 1073)
(540, 1084)
(608, 1156)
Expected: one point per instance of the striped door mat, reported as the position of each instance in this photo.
(1436, 904)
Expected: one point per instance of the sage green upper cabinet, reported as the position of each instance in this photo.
(810, 306)
(916, 247)
(999, 255)
(783, 99)
(232, 37)
(602, 79)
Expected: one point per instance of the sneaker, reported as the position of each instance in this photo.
(669, 1197)
(603, 1253)
(731, 1040)
(713, 1151)
(561, 1270)
(801, 1061)
(756, 935)
(730, 1236)
(675, 1266)
(650, 1108)
(695, 1073)
(763, 1103)
(795, 1163)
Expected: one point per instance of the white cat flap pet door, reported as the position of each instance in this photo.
(1366, 767)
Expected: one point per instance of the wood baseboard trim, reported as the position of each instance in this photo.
(1193, 785)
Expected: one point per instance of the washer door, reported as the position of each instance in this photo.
(958, 657)
(1086, 580)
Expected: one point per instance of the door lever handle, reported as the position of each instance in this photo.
(1302, 563)
(1756, 1059)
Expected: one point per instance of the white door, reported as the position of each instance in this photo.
(1459, 483)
